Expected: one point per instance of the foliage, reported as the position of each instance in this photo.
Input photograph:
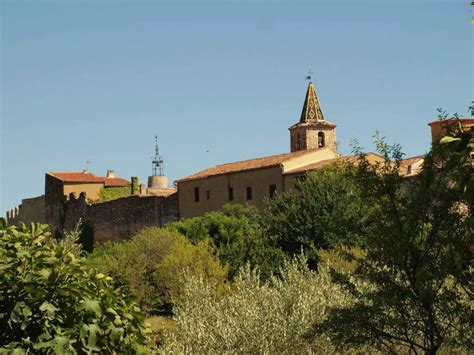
(51, 302)
(236, 234)
(418, 237)
(114, 192)
(152, 264)
(327, 210)
(255, 317)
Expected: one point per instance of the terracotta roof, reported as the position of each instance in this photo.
(244, 165)
(161, 192)
(86, 177)
(372, 157)
(116, 182)
(469, 121)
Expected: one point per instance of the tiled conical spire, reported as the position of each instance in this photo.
(311, 108)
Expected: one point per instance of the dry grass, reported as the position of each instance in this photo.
(159, 326)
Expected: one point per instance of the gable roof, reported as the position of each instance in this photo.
(88, 178)
(245, 165)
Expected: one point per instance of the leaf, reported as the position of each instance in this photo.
(448, 139)
(92, 306)
(49, 308)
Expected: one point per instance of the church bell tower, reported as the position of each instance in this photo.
(312, 131)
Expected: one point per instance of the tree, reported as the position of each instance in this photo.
(51, 302)
(327, 211)
(413, 288)
(152, 264)
(236, 234)
(256, 316)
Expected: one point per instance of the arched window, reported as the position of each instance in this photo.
(321, 142)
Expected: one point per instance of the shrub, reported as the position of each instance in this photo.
(112, 193)
(326, 212)
(152, 264)
(256, 316)
(236, 234)
(51, 302)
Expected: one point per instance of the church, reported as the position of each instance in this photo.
(312, 145)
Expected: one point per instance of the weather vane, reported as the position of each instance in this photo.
(310, 73)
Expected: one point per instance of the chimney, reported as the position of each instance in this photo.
(110, 174)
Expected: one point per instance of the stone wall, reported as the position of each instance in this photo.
(30, 210)
(113, 220)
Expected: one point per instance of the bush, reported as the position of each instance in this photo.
(236, 234)
(112, 193)
(326, 212)
(256, 316)
(152, 264)
(51, 302)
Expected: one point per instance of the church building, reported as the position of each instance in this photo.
(312, 141)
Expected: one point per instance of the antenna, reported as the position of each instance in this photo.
(308, 77)
(88, 163)
(157, 161)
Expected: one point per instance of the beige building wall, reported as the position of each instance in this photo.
(218, 187)
(91, 189)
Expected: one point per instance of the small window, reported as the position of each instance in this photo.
(208, 195)
(272, 190)
(249, 193)
(409, 170)
(196, 194)
(231, 194)
(321, 142)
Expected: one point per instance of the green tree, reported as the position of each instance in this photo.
(327, 210)
(152, 264)
(413, 288)
(236, 234)
(51, 302)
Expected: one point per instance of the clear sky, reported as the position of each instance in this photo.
(217, 81)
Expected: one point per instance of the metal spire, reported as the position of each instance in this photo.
(157, 161)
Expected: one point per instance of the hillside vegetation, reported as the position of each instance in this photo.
(361, 260)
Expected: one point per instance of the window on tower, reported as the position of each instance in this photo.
(196, 194)
(321, 142)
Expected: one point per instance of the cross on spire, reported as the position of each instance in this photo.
(310, 74)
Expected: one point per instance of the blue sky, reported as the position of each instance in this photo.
(217, 81)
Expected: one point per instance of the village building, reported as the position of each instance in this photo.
(312, 139)
(77, 196)
(312, 146)
(59, 184)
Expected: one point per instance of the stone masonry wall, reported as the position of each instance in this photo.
(113, 220)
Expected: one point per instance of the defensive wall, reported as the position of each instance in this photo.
(113, 220)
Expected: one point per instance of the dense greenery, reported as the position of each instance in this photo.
(114, 192)
(416, 273)
(152, 264)
(383, 263)
(236, 235)
(256, 317)
(51, 302)
(327, 211)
